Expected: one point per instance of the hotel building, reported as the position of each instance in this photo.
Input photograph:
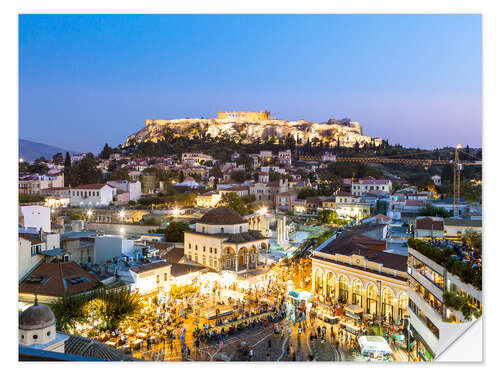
(435, 323)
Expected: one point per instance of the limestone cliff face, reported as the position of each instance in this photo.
(248, 131)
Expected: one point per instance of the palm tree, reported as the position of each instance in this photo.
(69, 310)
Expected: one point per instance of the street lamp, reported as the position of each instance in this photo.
(121, 214)
(263, 211)
(89, 213)
(176, 211)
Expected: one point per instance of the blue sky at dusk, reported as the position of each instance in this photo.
(413, 79)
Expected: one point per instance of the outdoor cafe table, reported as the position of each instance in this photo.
(142, 335)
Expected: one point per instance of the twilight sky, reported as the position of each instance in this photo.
(413, 79)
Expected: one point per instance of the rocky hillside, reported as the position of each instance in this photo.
(347, 133)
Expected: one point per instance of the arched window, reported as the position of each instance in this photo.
(343, 288)
(387, 303)
(402, 305)
(330, 286)
(371, 299)
(318, 282)
(357, 293)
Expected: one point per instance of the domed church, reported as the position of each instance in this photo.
(222, 241)
(37, 329)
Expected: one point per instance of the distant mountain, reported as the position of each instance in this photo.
(29, 150)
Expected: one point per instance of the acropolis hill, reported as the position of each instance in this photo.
(250, 126)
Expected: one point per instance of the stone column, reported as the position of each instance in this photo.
(248, 261)
(236, 260)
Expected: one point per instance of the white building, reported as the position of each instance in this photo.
(197, 157)
(370, 185)
(109, 247)
(458, 227)
(36, 217)
(152, 277)
(33, 184)
(133, 188)
(77, 157)
(222, 241)
(92, 195)
(429, 227)
(285, 157)
(32, 246)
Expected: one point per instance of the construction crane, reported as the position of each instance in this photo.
(458, 166)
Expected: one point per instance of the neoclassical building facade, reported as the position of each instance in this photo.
(374, 280)
(222, 241)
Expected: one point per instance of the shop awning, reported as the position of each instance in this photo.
(353, 309)
(374, 344)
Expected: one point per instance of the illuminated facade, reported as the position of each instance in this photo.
(250, 116)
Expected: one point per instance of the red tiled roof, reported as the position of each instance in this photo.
(90, 187)
(33, 238)
(55, 188)
(174, 255)
(429, 223)
(273, 184)
(57, 280)
(149, 266)
(235, 188)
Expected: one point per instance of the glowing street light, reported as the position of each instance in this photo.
(122, 231)
(90, 213)
(263, 211)
(121, 214)
(176, 211)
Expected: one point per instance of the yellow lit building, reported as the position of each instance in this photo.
(222, 241)
(208, 200)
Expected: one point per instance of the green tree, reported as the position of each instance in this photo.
(58, 158)
(120, 174)
(471, 192)
(174, 232)
(330, 217)
(430, 210)
(238, 176)
(76, 217)
(30, 198)
(24, 167)
(113, 306)
(106, 152)
(38, 168)
(84, 171)
(474, 239)
(69, 310)
(67, 161)
(307, 192)
(235, 202)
